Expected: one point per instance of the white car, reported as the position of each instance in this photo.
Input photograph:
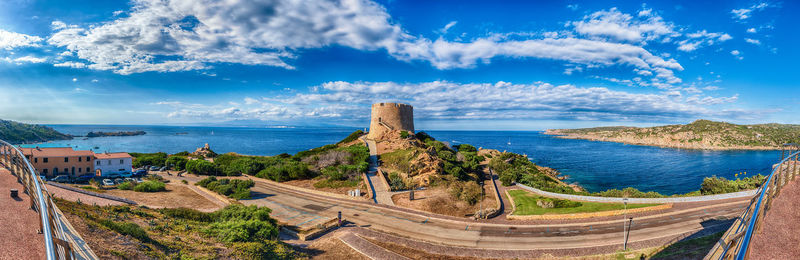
(108, 182)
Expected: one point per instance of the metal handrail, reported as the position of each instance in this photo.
(737, 238)
(40, 198)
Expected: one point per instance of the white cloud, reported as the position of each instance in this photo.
(447, 100)
(700, 39)
(737, 54)
(95, 81)
(29, 59)
(448, 26)
(615, 25)
(752, 41)
(71, 64)
(572, 7)
(11, 40)
(745, 13)
(250, 101)
(751, 30)
(74, 79)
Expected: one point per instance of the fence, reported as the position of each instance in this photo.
(55, 239)
(735, 242)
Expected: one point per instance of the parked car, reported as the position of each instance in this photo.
(131, 180)
(140, 172)
(108, 182)
(139, 180)
(118, 180)
(83, 178)
(153, 168)
(61, 179)
(112, 175)
(125, 175)
(162, 169)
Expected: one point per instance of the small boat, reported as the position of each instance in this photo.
(96, 147)
(509, 141)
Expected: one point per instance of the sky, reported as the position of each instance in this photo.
(475, 65)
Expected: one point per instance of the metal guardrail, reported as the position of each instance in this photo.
(56, 245)
(735, 242)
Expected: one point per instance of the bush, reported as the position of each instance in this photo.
(201, 167)
(396, 182)
(469, 192)
(125, 186)
(716, 185)
(404, 134)
(127, 228)
(150, 186)
(466, 148)
(352, 137)
(238, 223)
(186, 213)
(424, 137)
(233, 188)
(177, 163)
(152, 159)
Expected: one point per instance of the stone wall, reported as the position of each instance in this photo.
(741, 194)
(396, 116)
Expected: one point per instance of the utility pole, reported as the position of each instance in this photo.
(625, 245)
(624, 227)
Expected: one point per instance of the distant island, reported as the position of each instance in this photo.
(120, 133)
(19, 133)
(700, 134)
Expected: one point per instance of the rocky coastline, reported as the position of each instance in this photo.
(658, 141)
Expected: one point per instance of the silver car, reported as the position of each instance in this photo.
(108, 182)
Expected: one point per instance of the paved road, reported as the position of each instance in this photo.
(381, 192)
(497, 236)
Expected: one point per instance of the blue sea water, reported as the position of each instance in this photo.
(594, 165)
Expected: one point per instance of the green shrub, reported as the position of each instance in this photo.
(238, 223)
(404, 134)
(469, 192)
(271, 250)
(185, 213)
(352, 137)
(152, 159)
(150, 186)
(396, 182)
(233, 188)
(201, 167)
(717, 185)
(125, 186)
(127, 228)
(177, 163)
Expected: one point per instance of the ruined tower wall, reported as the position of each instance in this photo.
(396, 116)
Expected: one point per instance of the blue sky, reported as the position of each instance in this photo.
(463, 64)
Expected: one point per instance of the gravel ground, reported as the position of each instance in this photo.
(75, 196)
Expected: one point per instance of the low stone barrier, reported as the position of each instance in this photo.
(95, 194)
(322, 193)
(220, 197)
(741, 194)
(497, 211)
(369, 187)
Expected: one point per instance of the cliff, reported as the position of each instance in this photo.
(17, 133)
(700, 134)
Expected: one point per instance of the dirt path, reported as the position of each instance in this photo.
(779, 236)
(18, 223)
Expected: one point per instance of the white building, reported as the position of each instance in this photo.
(107, 163)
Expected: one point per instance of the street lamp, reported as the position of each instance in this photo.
(624, 227)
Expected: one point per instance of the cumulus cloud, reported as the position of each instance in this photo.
(700, 39)
(29, 59)
(752, 41)
(448, 100)
(11, 40)
(751, 30)
(71, 64)
(181, 35)
(745, 13)
(615, 25)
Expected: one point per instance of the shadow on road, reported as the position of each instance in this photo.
(696, 245)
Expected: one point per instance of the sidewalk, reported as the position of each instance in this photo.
(382, 193)
(779, 235)
(18, 222)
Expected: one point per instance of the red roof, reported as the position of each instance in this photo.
(55, 152)
(112, 155)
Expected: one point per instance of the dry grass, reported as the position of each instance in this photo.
(438, 200)
(309, 184)
(176, 196)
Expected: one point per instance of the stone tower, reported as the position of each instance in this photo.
(390, 116)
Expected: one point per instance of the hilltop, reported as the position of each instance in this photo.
(17, 133)
(700, 134)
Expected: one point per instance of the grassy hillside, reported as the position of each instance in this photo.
(17, 133)
(700, 134)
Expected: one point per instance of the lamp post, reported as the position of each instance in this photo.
(624, 226)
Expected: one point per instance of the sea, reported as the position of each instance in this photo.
(595, 165)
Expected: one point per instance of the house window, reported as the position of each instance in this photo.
(98, 162)
(35, 160)
(45, 160)
(66, 159)
(121, 161)
(88, 159)
(109, 162)
(121, 170)
(66, 170)
(79, 169)
(88, 170)
(44, 171)
(80, 158)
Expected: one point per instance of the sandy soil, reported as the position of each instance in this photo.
(309, 184)
(330, 247)
(438, 200)
(176, 196)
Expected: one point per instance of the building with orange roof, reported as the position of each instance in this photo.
(108, 163)
(60, 161)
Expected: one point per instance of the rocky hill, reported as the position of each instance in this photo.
(700, 134)
(17, 133)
